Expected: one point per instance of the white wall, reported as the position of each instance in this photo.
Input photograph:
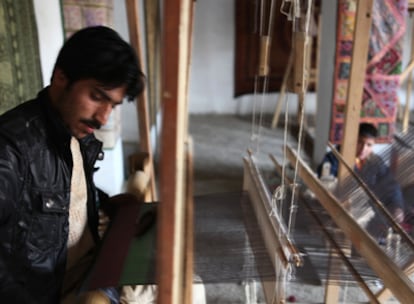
(212, 69)
(50, 33)
(129, 131)
(211, 83)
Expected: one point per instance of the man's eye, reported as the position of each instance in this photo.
(95, 96)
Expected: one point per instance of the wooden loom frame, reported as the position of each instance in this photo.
(395, 279)
(174, 260)
(144, 160)
(279, 247)
(174, 237)
(172, 270)
(171, 221)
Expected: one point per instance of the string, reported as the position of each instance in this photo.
(257, 126)
(293, 203)
(279, 194)
(263, 71)
(265, 87)
(254, 134)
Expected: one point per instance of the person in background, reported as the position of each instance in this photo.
(373, 171)
(48, 201)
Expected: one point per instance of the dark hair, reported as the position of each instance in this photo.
(367, 130)
(99, 53)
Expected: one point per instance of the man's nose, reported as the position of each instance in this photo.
(103, 113)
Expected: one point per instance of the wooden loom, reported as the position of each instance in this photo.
(174, 260)
(396, 280)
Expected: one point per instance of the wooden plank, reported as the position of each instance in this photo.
(189, 178)
(189, 213)
(407, 108)
(282, 93)
(273, 232)
(394, 278)
(407, 71)
(275, 224)
(298, 83)
(356, 83)
(268, 234)
(171, 224)
(152, 24)
(273, 244)
(353, 102)
(142, 103)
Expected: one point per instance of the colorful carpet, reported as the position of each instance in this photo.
(380, 95)
(20, 72)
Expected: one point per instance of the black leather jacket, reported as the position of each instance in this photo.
(35, 177)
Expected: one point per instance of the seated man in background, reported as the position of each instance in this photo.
(373, 171)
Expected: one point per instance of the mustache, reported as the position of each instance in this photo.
(92, 123)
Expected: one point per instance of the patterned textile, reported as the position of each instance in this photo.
(83, 13)
(20, 72)
(380, 99)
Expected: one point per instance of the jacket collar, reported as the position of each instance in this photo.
(60, 134)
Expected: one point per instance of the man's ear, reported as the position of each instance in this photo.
(59, 78)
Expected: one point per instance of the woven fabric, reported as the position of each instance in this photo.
(380, 95)
(20, 72)
(225, 220)
(80, 239)
(84, 13)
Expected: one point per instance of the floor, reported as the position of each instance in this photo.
(220, 143)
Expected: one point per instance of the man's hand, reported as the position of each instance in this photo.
(110, 207)
(398, 215)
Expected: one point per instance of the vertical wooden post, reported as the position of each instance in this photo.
(353, 104)
(189, 194)
(142, 103)
(171, 265)
(152, 33)
(356, 83)
(282, 92)
(406, 116)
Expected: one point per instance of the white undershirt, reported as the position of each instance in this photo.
(80, 239)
